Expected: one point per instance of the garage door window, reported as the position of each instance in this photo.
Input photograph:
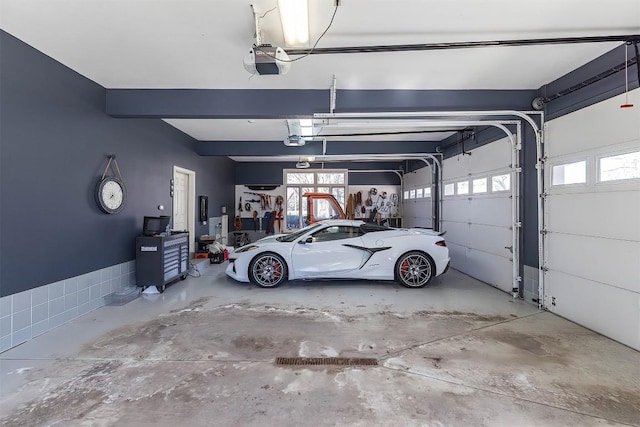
(462, 187)
(412, 194)
(569, 173)
(406, 195)
(619, 167)
(449, 189)
(479, 186)
(427, 192)
(501, 183)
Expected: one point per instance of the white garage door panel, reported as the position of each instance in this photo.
(593, 243)
(491, 211)
(591, 213)
(491, 239)
(456, 167)
(596, 126)
(478, 226)
(610, 261)
(496, 155)
(458, 256)
(610, 311)
(457, 233)
(417, 213)
(493, 270)
(456, 210)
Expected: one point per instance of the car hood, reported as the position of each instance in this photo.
(269, 239)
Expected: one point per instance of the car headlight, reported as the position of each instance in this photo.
(247, 248)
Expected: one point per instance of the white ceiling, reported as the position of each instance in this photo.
(201, 44)
(276, 130)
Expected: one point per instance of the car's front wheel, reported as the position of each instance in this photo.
(267, 270)
(415, 269)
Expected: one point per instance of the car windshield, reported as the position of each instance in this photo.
(293, 236)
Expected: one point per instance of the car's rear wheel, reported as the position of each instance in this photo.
(268, 270)
(415, 269)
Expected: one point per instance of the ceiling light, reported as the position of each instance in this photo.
(294, 141)
(294, 16)
(299, 128)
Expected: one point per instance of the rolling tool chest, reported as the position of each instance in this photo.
(161, 259)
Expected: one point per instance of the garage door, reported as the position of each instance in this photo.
(592, 215)
(477, 213)
(417, 202)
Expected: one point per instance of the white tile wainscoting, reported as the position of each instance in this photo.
(30, 313)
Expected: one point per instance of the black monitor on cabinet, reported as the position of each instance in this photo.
(153, 225)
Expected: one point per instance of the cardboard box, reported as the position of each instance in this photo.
(201, 255)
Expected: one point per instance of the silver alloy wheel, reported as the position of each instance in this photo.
(414, 269)
(267, 270)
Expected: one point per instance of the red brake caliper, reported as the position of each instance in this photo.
(405, 266)
(277, 269)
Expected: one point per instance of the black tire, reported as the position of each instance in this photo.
(162, 288)
(415, 269)
(268, 270)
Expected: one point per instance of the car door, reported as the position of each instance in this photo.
(328, 252)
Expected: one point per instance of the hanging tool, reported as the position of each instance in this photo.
(269, 218)
(264, 200)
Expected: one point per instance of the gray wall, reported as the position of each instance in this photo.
(54, 139)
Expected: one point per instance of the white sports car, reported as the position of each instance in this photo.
(342, 249)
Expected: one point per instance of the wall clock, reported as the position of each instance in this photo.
(111, 194)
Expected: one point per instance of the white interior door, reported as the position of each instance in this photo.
(184, 202)
(592, 216)
(180, 197)
(477, 213)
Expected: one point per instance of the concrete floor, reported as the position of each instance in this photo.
(456, 353)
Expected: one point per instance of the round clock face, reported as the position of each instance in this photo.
(111, 195)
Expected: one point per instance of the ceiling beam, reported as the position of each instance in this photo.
(593, 82)
(289, 103)
(314, 148)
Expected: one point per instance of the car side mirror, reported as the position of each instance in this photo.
(305, 241)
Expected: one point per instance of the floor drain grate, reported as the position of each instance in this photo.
(323, 361)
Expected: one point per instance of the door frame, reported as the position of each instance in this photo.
(191, 202)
